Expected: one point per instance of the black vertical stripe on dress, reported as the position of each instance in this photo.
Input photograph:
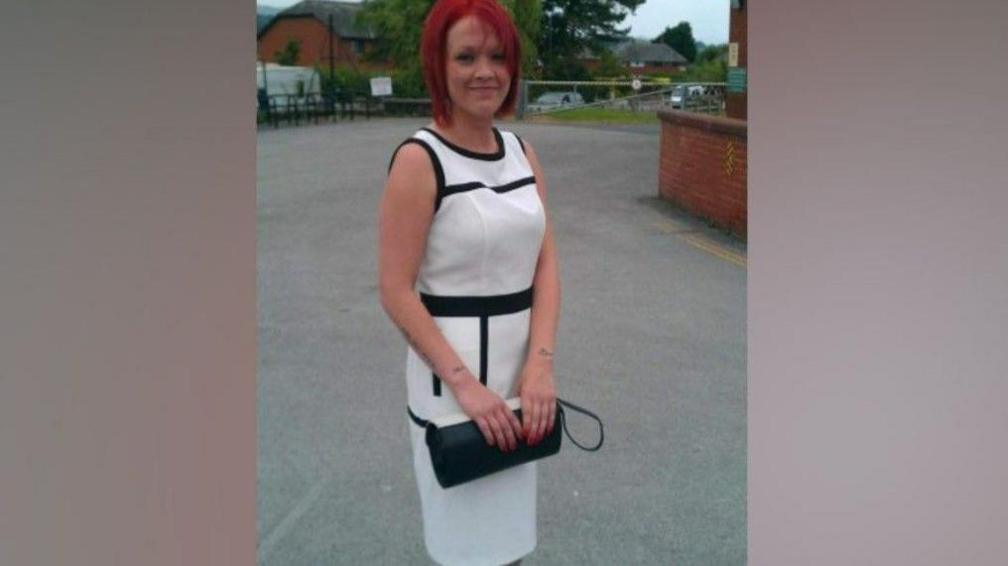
(483, 362)
(484, 345)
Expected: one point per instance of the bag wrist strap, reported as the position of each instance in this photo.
(563, 421)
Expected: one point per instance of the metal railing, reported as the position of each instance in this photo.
(649, 96)
(288, 109)
(392, 106)
(277, 109)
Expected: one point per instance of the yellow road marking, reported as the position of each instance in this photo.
(666, 227)
(715, 249)
(694, 239)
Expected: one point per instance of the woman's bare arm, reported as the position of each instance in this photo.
(404, 218)
(537, 388)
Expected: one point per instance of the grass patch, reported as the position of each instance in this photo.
(598, 115)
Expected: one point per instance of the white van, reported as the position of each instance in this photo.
(294, 82)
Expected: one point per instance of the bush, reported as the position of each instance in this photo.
(345, 81)
(406, 83)
(715, 71)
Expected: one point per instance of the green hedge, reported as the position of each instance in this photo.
(406, 83)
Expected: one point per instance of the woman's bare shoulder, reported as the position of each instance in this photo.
(411, 174)
(411, 156)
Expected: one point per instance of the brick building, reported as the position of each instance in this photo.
(307, 23)
(641, 57)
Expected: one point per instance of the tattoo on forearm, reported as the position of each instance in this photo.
(545, 353)
(416, 347)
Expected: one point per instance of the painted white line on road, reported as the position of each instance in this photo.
(280, 531)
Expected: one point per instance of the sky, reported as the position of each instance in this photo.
(707, 18)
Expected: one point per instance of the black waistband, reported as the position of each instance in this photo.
(488, 305)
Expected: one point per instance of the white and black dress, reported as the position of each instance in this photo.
(476, 281)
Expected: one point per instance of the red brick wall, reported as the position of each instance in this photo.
(704, 166)
(313, 36)
(736, 103)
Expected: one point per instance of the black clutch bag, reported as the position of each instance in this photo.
(460, 453)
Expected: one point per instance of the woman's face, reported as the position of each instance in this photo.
(476, 72)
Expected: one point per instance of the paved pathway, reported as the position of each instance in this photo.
(652, 338)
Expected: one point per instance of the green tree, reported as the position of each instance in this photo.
(711, 66)
(712, 53)
(289, 54)
(399, 25)
(527, 15)
(609, 66)
(681, 39)
(569, 27)
(566, 69)
(714, 71)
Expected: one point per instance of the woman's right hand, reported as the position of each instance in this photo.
(491, 414)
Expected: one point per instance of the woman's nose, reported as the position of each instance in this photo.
(483, 68)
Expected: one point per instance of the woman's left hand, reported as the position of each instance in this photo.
(538, 400)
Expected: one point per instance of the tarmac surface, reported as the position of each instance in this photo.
(652, 338)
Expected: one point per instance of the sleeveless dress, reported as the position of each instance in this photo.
(475, 279)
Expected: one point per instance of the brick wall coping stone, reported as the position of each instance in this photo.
(730, 126)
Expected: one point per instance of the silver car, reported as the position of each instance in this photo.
(554, 100)
(679, 92)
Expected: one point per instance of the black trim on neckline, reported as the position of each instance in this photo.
(495, 156)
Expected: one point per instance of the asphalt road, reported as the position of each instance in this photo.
(652, 338)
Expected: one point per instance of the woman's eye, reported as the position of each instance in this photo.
(498, 56)
(464, 57)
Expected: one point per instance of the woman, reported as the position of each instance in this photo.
(462, 221)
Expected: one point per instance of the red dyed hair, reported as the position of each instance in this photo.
(433, 43)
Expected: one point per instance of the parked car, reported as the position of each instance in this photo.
(679, 92)
(555, 99)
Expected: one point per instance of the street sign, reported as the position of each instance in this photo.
(736, 79)
(733, 54)
(381, 86)
(636, 84)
